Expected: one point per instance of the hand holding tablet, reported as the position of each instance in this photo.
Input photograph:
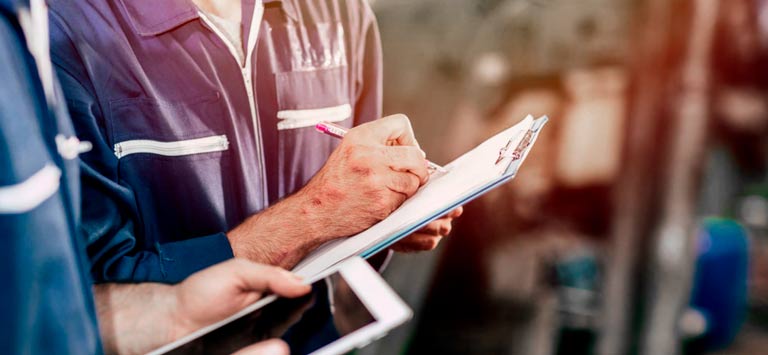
(363, 308)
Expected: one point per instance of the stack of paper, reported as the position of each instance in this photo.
(490, 164)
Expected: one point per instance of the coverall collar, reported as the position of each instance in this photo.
(152, 17)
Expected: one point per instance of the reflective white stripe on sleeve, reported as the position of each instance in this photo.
(290, 119)
(28, 194)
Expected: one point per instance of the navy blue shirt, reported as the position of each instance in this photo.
(188, 141)
(46, 304)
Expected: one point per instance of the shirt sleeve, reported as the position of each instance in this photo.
(110, 215)
(368, 67)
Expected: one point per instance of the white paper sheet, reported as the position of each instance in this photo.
(464, 175)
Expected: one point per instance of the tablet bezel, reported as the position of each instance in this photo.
(388, 310)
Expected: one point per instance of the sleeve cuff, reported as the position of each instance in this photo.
(180, 259)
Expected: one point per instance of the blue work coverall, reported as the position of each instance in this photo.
(189, 140)
(46, 303)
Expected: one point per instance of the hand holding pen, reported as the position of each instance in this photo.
(339, 132)
(430, 236)
(362, 182)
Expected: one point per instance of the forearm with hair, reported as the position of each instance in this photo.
(134, 318)
(279, 235)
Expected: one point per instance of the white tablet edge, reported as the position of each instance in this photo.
(359, 276)
(388, 310)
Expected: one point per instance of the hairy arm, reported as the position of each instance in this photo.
(136, 318)
(377, 166)
(281, 231)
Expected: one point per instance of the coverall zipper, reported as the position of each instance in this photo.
(172, 149)
(246, 71)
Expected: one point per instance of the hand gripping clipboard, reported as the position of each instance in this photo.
(513, 159)
(494, 162)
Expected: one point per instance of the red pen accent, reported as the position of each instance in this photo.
(331, 129)
(339, 132)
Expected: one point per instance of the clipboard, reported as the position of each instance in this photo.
(504, 154)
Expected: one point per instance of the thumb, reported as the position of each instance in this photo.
(267, 347)
(260, 277)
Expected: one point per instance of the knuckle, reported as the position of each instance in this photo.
(360, 169)
(412, 183)
(402, 118)
(269, 270)
(375, 182)
(414, 152)
(399, 183)
(240, 262)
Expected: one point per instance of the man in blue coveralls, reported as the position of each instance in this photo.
(47, 304)
(201, 115)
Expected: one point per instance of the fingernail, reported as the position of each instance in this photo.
(293, 276)
(274, 348)
(423, 153)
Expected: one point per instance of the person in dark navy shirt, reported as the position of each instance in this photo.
(47, 305)
(201, 119)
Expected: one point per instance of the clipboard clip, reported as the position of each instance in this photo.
(519, 150)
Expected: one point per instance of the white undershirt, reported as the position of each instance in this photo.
(233, 30)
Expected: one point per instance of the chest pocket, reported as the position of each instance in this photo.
(311, 74)
(312, 85)
(174, 156)
(306, 98)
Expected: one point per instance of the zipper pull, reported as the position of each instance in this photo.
(118, 150)
(70, 148)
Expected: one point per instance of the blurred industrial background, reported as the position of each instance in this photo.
(638, 224)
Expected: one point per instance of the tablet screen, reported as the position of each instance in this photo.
(307, 323)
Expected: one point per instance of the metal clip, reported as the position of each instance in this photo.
(518, 152)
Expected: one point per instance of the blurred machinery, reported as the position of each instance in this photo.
(594, 248)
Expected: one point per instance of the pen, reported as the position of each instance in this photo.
(339, 132)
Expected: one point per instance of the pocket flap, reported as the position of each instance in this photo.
(290, 119)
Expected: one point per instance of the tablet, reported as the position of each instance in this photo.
(360, 308)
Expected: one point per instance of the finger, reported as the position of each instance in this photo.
(456, 213)
(417, 242)
(394, 200)
(404, 183)
(445, 227)
(260, 277)
(395, 128)
(410, 159)
(432, 229)
(267, 347)
(438, 227)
